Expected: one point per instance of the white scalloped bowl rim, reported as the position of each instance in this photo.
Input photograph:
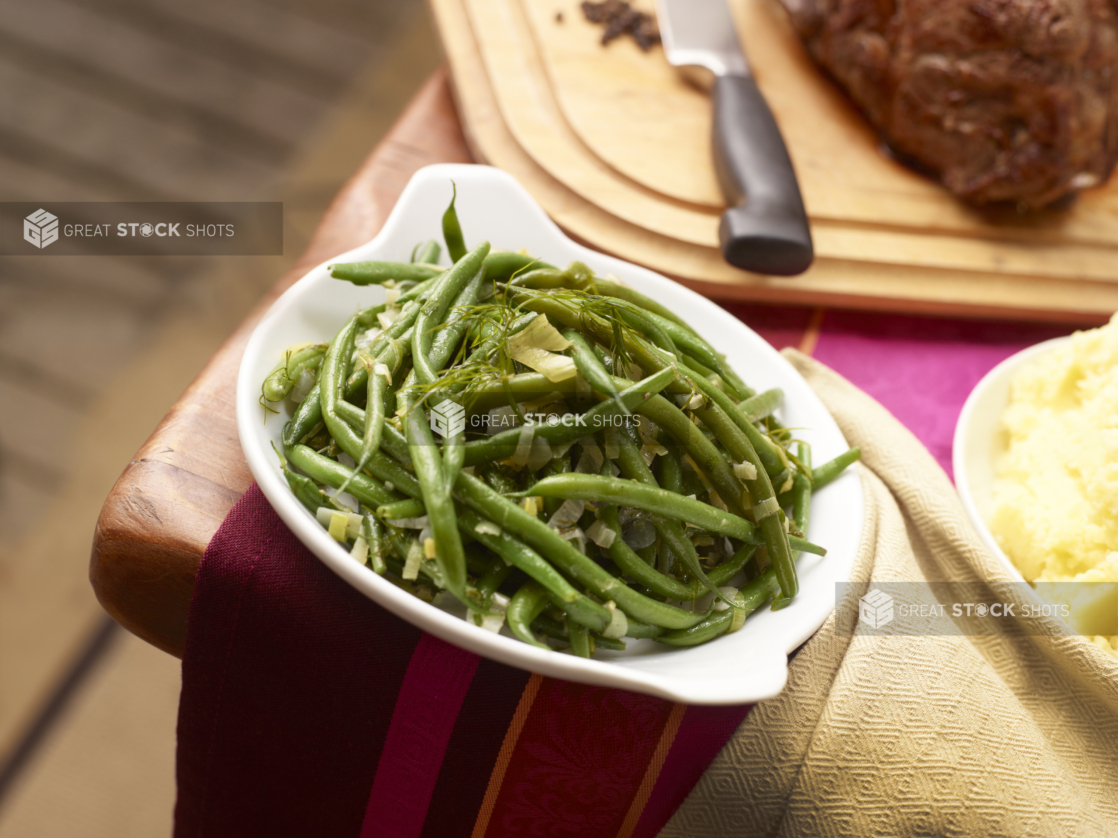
(747, 666)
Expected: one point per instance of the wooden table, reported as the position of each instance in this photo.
(180, 485)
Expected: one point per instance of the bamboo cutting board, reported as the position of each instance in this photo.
(615, 146)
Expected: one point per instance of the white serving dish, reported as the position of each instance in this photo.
(746, 666)
(978, 443)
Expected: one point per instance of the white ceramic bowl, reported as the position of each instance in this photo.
(748, 665)
(978, 443)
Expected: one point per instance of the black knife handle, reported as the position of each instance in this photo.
(765, 230)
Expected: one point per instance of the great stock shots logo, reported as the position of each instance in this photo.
(448, 419)
(40, 228)
(875, 609)
(141, 228)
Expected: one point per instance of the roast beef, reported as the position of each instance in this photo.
(1002, 100)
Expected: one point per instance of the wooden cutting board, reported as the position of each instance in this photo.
(615, 146)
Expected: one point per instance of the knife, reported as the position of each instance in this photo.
(765, 230)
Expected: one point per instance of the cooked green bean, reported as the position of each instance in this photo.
(588, 365)
(426, 253)
(525, 605)
(465, 270)
(751, 597)
(671, 531)
(578, 566)
(658, 501)
(378, 273)
(452, 230)
(581, 643)
(503, 265)
(827, 472)
(502, 446)
(402, 509)
(634, 566)
(287, 371)
(757, 407)
(332, 473)
(766, 510)
(801, 491)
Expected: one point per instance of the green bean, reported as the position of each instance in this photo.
(570, 561)
(588, 365)
(689, 342)
(640, 629)
(662, 412)
(578, 606)
(701, 450)
(329, 384)
(452, 230)
(321, 468)
(581, 643)
(426, 253)
(488, 584)
(402, 510)
(754, 594)
(581, 277)
(541, 277)
(433, 311)
(398, 332)
(416, 292)
(525, 605)
(491, 336)
(503, 265)
(556, 465)
(436, 496)
(802, 545)
(669, 471)
(502, 446)
(304, 489)
(599, 642)
(647, 554)
(827, 472)
(671, 531)
(374, 413)
(287, 372)
(658, 501)
(635, 567)
(378, 273)
(767, 451)
(757, 407)
(309, 412)
(766, 510)
(447, 338)
(548, 626)
(498, 479)
(641, 320)
(374, 536)
(801, 491)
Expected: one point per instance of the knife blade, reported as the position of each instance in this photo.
(765, 230)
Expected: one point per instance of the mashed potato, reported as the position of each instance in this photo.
(1055, 510)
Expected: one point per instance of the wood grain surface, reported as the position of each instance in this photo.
(592, 132)
(176, 491)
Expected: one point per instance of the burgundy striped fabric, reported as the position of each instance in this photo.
(309, 710)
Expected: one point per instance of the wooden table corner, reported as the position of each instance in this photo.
(171, 498)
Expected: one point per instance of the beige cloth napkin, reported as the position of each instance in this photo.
(917, 735)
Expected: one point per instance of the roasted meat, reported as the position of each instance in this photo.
(1003, 100)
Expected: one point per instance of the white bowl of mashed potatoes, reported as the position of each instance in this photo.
(1036, 466)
